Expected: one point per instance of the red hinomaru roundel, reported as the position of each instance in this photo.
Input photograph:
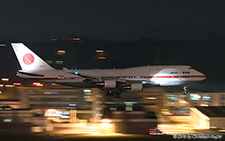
(28, 59)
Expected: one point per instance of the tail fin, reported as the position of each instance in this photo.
(28, 59)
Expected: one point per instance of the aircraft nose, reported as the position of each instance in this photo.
(203, 76)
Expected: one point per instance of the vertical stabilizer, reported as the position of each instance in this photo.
(28, 59)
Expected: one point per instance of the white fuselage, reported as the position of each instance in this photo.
(153, 75)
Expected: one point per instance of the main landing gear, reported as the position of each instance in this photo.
(116, 92)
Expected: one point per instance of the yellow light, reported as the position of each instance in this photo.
(106, 120)
(1, 85)
(99, 51)
(76, 39)
(150, 98)
(105, 125)
(5, 79)
(102, 58)
(9, 86)
(61, 52)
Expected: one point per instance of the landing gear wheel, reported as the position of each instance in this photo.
(118, 93)
(110, 93)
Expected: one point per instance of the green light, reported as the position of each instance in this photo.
(58, 62)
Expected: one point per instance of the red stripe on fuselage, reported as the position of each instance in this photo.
(113, 77)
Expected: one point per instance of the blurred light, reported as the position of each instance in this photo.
(17, 84)
(7, 120)
(87, 97)
(150, 98)
(54, 39)
(87, 91)
(105, 125)
(5, 79)
(0, 92)
(76, 73)
(102, 58)
(99, 108)
(74, 39)
(49, 62)
(1, 85)
(106, 120)
(2, 45)
(59, 62)
(99, 51)
(195, 96)
(54, 84)
(9, 86)
(73, 105)
(61, 52)
(37, 84)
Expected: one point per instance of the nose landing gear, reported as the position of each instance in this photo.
(185, 90)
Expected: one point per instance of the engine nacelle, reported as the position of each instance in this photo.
(136, 86)
(110, 83)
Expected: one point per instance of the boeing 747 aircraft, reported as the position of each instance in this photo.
(112, 80)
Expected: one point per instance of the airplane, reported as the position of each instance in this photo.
(112, 80)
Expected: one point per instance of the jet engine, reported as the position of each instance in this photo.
(136, 86)
(110, 83)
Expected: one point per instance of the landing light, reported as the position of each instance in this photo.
(76, 73)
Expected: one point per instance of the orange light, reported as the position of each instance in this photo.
(37, 84)
(54, 39)
(102, 58)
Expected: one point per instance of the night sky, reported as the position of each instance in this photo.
(112, 20)
(190, 32)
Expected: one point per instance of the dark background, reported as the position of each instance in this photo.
(188, 32)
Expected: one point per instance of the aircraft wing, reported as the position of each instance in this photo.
(87, 76)
(96, 78)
